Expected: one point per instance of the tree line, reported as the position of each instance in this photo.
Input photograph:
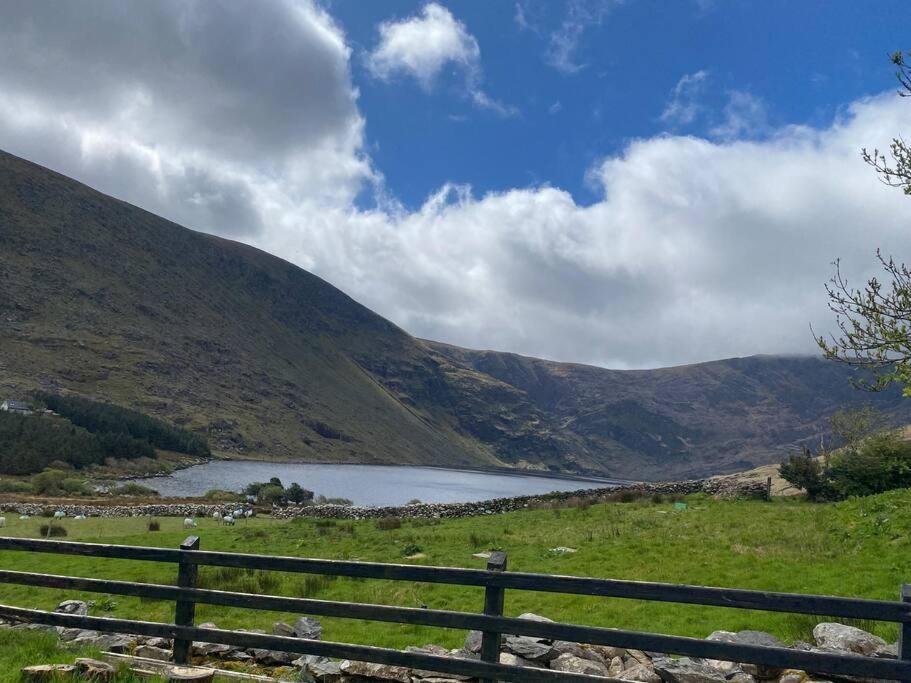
(104, 418)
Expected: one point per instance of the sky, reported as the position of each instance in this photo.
(617, 182)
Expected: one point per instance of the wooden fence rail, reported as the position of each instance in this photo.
(490, 622)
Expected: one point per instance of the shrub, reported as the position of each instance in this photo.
(297, 494)
(223, 496)
(338, 501)
(14, 486)
(270, 494)
(881, 463)
(154, 525)
(388, 523)
(411, 549)
(133, 489)
(51, 530)
(58, 483)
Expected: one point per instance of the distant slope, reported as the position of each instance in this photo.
(103, 299)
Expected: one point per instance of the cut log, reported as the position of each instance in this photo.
(47, 672)
(190, 673)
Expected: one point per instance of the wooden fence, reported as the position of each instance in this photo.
(495, 580)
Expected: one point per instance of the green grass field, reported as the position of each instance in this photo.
(855, 548)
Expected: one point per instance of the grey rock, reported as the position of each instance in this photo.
(473, 641)
(741, 677)
(309, 628)
(325, 672)
(792, 676)
(212, 649)
(535, 617)
(304, 661)
(615, 668)
(107, 642)
(760, 638)
(152, 652)
(381, 672)
(68, 634)
(850, 639)
(641, 673)
(280, 628)
(686, 670)
(73, 607)
(208, 624)
(272, 657)
(528, 647)
(94, 669)
(572, 664)
(510, 659)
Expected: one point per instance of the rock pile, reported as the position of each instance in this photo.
(595, 660)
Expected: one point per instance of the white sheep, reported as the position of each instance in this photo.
(228, 520)
(189, 523)
(216, 515)
(2, 522)
(238, 514)
(79, 517)
(24, 517)
(248, 514)
(60, 514)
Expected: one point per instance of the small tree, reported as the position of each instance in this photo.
(808, 473)
(874, 322)
(297, 494)
(270, 494)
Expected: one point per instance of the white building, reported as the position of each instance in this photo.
(11, 406)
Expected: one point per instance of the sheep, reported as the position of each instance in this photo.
(79, 517)
(248, 514)
(238, 514)
(216, 515)
(24, 517)
(2, 522)
(228, 520)
(60, 514)
(189, 523)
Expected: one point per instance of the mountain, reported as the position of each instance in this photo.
(108, 301)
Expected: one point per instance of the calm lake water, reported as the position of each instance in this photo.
(365, 484)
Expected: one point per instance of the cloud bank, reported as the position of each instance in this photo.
(247, 125)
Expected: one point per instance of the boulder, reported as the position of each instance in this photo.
(68, 634)
(760, 638)
(304, 661)
(615, 668)
(527, 647)
(152, 652)
(850, 639)
(280, 628)
(272, 657)
(641, 673)
(793, 676)
(577, 665)
(212, 649)
(510, 659)
(379, 672)
(473, 641)
(325, 672)
(94, 669)
(436, 651)
(309, 628)
(741, 677)
(686, 670)
(73, 607)
(47, 672)
(106, 642)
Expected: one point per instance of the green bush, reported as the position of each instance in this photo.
(223, 496)
(59, 483)
(14, 486)
(297, 494)
(270, 493)
(881, 462)
(133, 489)
(51, 530)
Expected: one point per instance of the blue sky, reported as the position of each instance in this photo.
(625, 183)
(802, 60)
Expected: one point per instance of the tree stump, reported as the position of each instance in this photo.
(190, 673)
(47, 672)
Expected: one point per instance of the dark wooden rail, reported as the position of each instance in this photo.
(491, 622)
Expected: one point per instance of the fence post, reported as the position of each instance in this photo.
(185, 610)
(493, 606)
(768, 488)
(904, 628)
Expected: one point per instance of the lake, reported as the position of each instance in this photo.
(366, 484)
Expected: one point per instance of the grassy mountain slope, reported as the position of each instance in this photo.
(106, 300)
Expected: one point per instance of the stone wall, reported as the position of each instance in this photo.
(722, 487)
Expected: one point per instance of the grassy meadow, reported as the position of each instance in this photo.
(856, 548)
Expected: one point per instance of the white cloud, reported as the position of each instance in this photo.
(744, 116)
(580, 16)
(696, 248)
(683, 106)
(423, 45)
